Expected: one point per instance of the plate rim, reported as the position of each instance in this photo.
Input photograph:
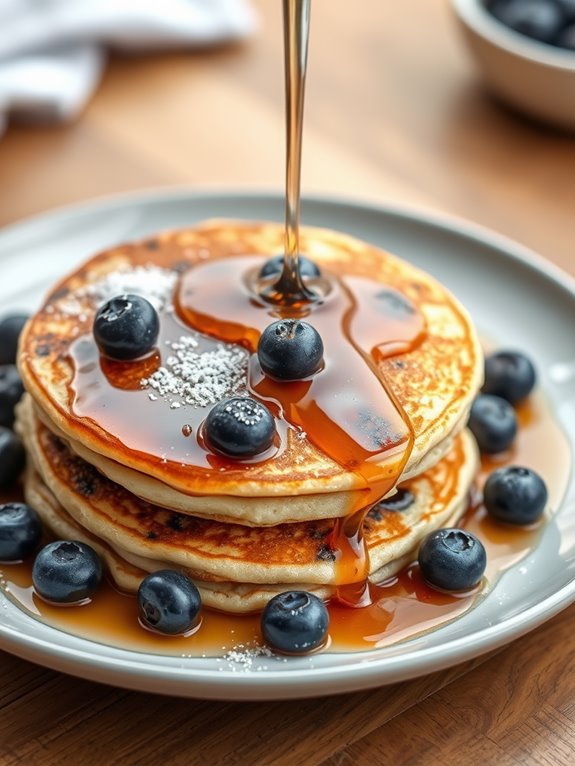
(359, 672)
(439, 219)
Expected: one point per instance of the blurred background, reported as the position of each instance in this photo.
(396, 111)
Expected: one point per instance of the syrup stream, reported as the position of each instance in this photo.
(291, 295)
(290, 290)
(347, 410)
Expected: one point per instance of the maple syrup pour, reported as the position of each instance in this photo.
(353, 419)
(401, 608)
(345, 410)
(289, 289)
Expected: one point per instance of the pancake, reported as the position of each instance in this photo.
(211, 551)
(251, 511)
(230, 597)
(128, 571)
(434, 382)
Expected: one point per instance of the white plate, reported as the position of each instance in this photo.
(514, 297)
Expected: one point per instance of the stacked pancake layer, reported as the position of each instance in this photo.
(242, 531)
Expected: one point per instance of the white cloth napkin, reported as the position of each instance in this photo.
(52, 52)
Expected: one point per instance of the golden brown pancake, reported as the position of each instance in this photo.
(128, 570)
(150, 537)
(251, 511)
(434, 382)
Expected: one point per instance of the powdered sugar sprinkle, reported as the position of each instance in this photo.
(244, 657)
(151, 282)
(199, 378)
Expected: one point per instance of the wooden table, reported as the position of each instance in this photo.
(395, 112)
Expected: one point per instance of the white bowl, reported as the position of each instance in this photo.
(534, 77)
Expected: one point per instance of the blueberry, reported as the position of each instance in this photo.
(126, 327)
(295, 622)
(509, 374)
(493, 422)
(12, 457)
(452, 559)
(20, 531)
(515, 495)
(66, 572)
(290, 350)
(11, 390)
(539, 19)
(10, 329)
(169, 602)
(239, 427)
(307, 268)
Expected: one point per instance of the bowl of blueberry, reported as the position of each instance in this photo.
(525, 50)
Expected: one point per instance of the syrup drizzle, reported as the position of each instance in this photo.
(346, 410)
(290, 290)
(304, 409)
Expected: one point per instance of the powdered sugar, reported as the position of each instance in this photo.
(250, 657)
(151, 282)
(199, 378)
(69, 307)
(243, 657)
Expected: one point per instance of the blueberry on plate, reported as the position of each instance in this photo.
(11, 390)
(515, 495)
(10, 329)
(169, 602)
(239, 427)
(295, 622)
(509, 374)
(493, 422)
(66, 572)
(126, 327)
(290, 350)
(452, 559)
(20, 531)
(307, 268)
(539, 19)
(12, 457)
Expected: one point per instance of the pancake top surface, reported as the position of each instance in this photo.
(141, 426)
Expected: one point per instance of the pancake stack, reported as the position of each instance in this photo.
(116, 455)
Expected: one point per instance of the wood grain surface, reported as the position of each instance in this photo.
(395, 113)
